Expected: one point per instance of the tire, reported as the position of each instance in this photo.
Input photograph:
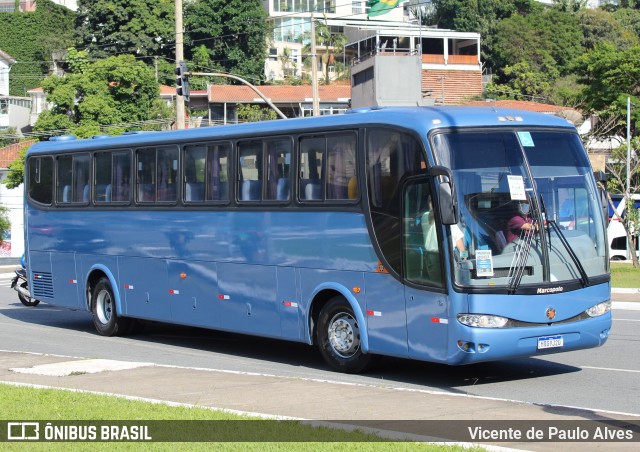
(27, 301)
(338, 337)
(103, 308)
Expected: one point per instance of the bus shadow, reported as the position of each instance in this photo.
(384, 369)
(47, 315)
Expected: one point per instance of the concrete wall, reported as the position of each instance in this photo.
(13, 199)
(396, 81)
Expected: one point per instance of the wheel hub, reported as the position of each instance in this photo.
(344, 335)
(104, 306)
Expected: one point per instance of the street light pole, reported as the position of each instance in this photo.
(240, 79)
(179, 58)
(628, 189)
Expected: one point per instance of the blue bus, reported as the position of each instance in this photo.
(425, 233)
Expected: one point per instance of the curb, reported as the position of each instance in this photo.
(625, 290)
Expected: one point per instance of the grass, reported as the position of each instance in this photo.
(29, 404)
(623, 275)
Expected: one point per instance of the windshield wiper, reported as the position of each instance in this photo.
(584, 279)
(519, 261)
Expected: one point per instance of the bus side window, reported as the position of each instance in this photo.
(311, 172)
(41, 179)
(120, 190)
(64, 172)
(217, 186)
(167, 159)
(422, 253)
(145, 182)
(278, 164)
(194, 170)
(250, 167)
(81, 164)
(341, 167)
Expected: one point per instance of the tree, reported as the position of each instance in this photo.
(610, 75)
(255, 113)
(30, 38)
(480, 16)
(15, 176)
(617, 170)
(142, 27)
(5, 224)
(234, 33)
(599, 25)
(116, 90)
(333, 44)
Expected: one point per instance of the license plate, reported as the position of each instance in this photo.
(550, 342)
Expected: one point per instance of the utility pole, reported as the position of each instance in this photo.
(314, 69)
(179, 57)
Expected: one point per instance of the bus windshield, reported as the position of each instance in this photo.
(528, 208)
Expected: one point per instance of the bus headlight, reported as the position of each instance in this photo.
(599, 309)
(482, 320)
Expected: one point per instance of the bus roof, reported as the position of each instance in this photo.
(420, 119)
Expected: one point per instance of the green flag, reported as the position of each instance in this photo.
(379, 7)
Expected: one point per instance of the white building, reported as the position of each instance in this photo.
(291, 23)
(5, 66)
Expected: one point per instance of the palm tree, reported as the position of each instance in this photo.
(333, 44)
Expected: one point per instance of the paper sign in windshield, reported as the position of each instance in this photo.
(516, 188)
(525, 139)
(484, 263)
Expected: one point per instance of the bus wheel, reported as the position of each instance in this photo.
(103, 308)
(339, 337)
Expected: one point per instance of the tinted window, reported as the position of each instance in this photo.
(113, 174)
(73, 179)
(251, 169)
(41, 179)
(311, 168)
(206, 172)
(157, 174)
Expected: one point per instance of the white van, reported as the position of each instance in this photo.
(615, 231)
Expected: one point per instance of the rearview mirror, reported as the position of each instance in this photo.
(447, 200)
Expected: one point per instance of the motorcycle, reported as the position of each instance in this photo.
(20, 284)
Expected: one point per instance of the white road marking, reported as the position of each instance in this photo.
(86, 366)
(377, 386)
(610, 369)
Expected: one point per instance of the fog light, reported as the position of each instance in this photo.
(599, 309)
(466, 346)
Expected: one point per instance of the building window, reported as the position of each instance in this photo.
(273, 54)
(4, 107)
(356, 7)
(292, 29)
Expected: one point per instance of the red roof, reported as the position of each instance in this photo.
(9, 153)
(520, 105)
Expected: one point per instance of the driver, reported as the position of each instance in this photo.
(520, 222)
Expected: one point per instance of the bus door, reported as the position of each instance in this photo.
(426, 302)
(193, 293)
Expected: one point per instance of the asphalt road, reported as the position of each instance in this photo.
(603, 379)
